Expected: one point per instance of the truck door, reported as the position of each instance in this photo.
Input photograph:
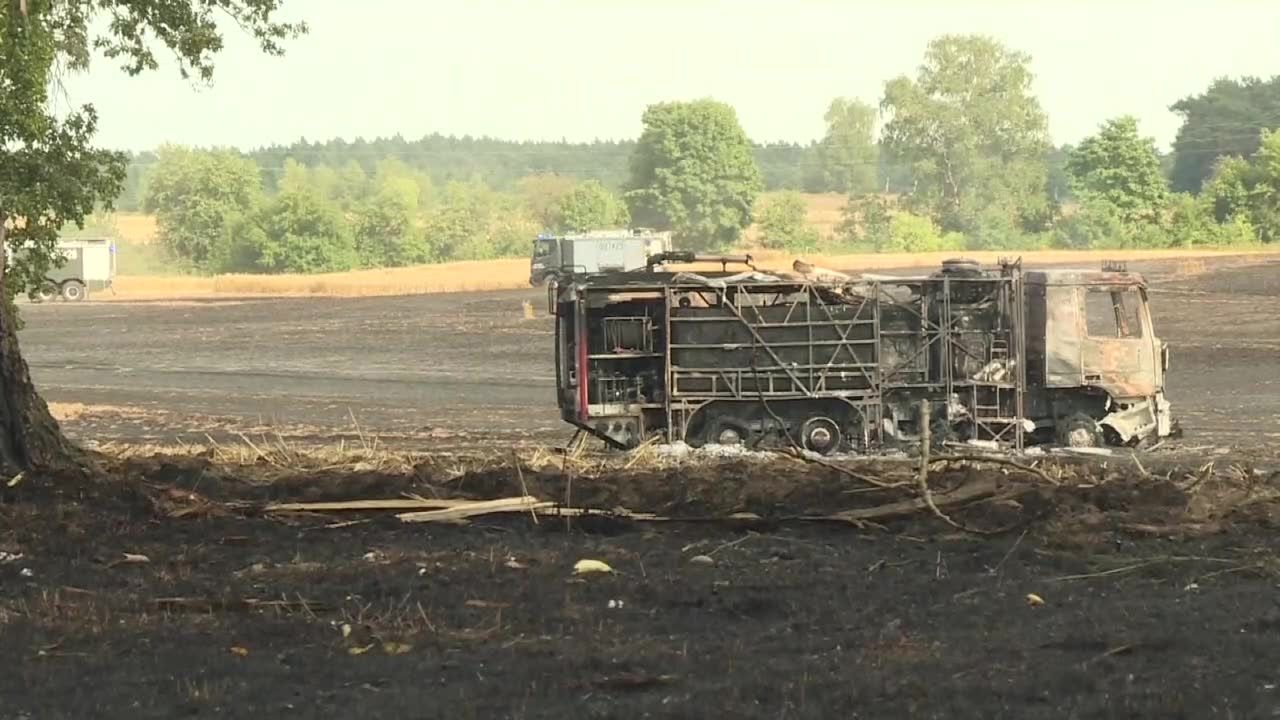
(1116, 354)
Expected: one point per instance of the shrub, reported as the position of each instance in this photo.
(783, 223)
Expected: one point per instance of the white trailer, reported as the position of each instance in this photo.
(88, 265)
(559, 256)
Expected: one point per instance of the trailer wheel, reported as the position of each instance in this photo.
(73, 291)
(1079, 430)
(820, 435)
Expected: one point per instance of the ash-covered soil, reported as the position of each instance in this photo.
(164, 587)
(1155, 595)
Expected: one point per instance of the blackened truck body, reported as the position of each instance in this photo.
(832, 362)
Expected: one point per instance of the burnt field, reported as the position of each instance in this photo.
(165, 586)
(469, 370)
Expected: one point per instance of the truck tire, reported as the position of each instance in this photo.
(820, 435)
(73, 291)
(48, 291)
(1079, 431)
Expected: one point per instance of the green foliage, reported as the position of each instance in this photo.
(864, 222)
(783, 223)
(590, 206)
(297, 232)
(1097, 223)
(1225, 120)
(476, 223)
(1187, 222)
(874, 223)
(909, 233)
(693, 172)
(1121, 168)
(385, 223)
(849, 156)
(1248, 191)
(194, 193)
(50, 175)
(1230, 189)
(974, 135)
(386, 234)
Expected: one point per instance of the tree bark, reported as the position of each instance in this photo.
(30, 438)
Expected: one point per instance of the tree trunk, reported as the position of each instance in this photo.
(30, 439)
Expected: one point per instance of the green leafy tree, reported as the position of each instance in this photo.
(1249, 190)
(972, 132)
(474, 222)
(693, 172)
(910, 233)
(51, 175)
(864, 221)
(386, 225)
(590, 206)
(1120, 167)
(848, 152)
(1226, 120)
(352, 187)
(302, 232)
(194, 194)
(386, 233)
(1096, 223)
(1230, 190)
(783, 222)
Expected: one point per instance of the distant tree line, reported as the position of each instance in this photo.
(955, 157)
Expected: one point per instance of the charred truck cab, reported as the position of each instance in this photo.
(1095, 364)
(832, 362)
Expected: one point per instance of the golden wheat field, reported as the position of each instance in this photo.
(514, 273)
(824, 213)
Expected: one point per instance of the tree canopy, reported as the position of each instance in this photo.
(590, 206)
(1226, 120)
(51, 174)
(848, 151)
(1121, 167)
(693, 172)
(972, 132)
(195, 194)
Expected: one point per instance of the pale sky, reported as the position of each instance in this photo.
(584, 69)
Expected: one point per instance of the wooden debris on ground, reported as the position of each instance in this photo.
(460, 512)
(405, 503)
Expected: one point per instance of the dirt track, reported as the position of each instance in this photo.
(1159, 583)
(419, 371)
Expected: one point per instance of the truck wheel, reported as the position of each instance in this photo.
(820, 435)
(724, 431)
(73, 291)
(47, 292)
(1079, 431)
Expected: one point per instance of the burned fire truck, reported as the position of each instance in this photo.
(829, 362)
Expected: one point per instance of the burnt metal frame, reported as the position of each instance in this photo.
(1006, 291)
